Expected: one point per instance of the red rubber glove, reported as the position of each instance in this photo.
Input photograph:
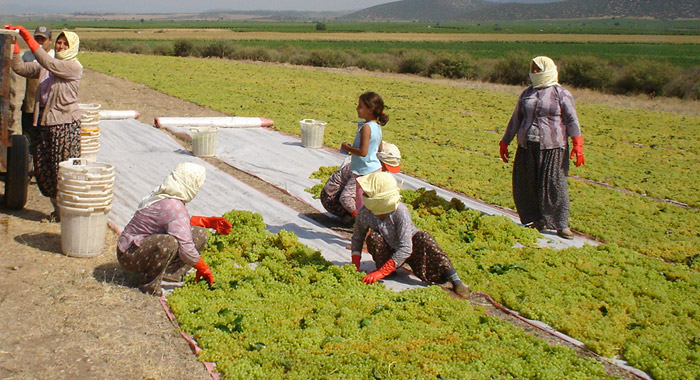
(356, 260)
(221, 225)
(15, 49)
(577, 150)
(8, 27)
(28, 38)
(380, 273)
(504, 151)
(203, 271)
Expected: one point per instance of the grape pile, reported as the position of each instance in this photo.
(294, 315)
(616, 301)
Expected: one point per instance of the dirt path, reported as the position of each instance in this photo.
(69, 318)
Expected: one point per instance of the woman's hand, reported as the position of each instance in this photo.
(577, 150)
(388, 268)
(504, 151)
(28, 38)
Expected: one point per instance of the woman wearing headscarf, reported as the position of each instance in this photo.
(394, 240)
(543, 119)
(56, 112)
(338, 194)
(162, 241)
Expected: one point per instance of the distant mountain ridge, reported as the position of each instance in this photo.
(475, 10)
(572, 9)
(424, 10)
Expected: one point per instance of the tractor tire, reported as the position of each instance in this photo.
(17, 176)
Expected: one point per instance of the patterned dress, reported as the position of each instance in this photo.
(396, 237)
(159, 242)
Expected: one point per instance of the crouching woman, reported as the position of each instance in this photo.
(161, 241)
(394, 240)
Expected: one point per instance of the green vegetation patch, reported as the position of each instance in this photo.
(294, 315)
(448, 135)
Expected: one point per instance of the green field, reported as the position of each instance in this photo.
(618, 298)
(680, 55)
(592, 26)
(449, 136)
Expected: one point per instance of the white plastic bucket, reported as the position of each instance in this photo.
(204, 141)
(312, 133)
(83, 230)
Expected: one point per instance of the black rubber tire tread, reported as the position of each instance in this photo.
(17, 176)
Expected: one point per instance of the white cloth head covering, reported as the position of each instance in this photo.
(70, 54)
(381, 192)
(390, 156)
(549, 75)
(182, 183)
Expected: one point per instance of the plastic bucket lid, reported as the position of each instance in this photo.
(75, 204)
(89, 106)
(79, 165)
(98, 189)
(84, 210)
(93, 194)
(207, 129)
(82, 182)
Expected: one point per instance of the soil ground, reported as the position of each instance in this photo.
(82, 318)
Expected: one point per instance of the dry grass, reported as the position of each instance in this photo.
(211, 34)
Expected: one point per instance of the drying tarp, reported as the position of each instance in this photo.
(142, 157)
(279, 159)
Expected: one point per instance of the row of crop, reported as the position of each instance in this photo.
(649, 76)
(614, 300)
(279, 310)
(448, 136)
(611, 25)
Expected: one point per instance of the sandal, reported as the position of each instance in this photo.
(55, 217)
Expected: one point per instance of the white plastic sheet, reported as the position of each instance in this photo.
(142, 157)
(279, 159)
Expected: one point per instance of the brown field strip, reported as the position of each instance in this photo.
(207, 34)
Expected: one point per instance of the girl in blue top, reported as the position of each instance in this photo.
(368, 139)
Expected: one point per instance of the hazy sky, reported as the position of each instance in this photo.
(176, 6)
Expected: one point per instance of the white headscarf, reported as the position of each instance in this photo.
(70, 54)
(549, 75)
(182, 183)
(381, 192)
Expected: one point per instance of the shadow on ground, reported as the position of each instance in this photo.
(113, 273)
(43, 241)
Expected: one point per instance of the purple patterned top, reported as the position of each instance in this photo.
(344, 182)
(397, 229)
(168, 216)
(549, 109)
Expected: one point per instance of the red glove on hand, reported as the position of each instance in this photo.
(504, 151)
(15, 49)
(221, 225)
(356, 260)
(8, 27)
(577, 150)
(28, 38)
(203, 271)
(380, 273)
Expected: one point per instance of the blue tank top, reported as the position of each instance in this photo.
(369, 163)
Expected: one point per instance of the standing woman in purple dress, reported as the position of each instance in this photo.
(543, 120)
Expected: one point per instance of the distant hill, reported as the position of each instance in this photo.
(468, 10)
(667, 9)
(421, 10)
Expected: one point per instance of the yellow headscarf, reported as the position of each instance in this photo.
(70, 54)
(549, 75)
(182, 183)
(381, 192)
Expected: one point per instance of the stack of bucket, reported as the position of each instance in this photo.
(312, 133)
(85, 193)
(90, 131)
(204, 141)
